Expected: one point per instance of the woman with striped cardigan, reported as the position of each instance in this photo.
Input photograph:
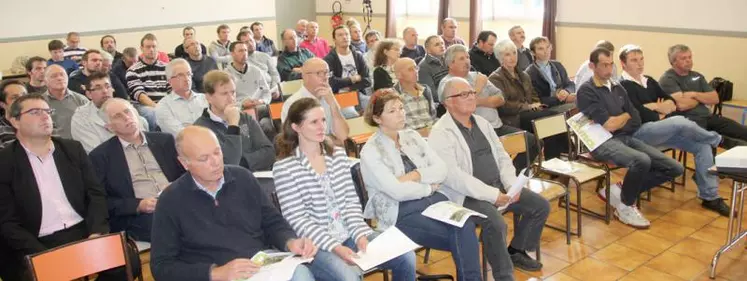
(317, 197)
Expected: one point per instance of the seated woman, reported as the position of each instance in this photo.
(403, 176)
(318, 198)
(522, 103)
(387, 53)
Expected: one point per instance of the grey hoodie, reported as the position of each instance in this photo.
(220, 53)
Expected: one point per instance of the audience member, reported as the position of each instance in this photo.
(35, 69)
(525, 58)
(357, 42)
(134, 167)
(10, 90)
(107, 61)
(61, 100)
(661, 130)
(57, 56)
(692, 94)
(417, 99)
(483, 172)
(315, 44)
(481, 55)
(349, 70)
(432, 68)
(218, 49)
(325, 186)
(146, 80)
(183, 105)
(264, 63)
(403, 177)
(240, 136)
(49, 193)
(411, 49)
(292, 57)
(188, 33)
(253, 93)
(73, 50)
(90, 62)
(315, 73)
(206, 242)
(449, 32)
(109, 44)
(198, 62)
(372, 39)
(585, 73)
(607, 103)
(263, 43)
(301, 28)
(549, 77)
(387, 53)
(119, 69)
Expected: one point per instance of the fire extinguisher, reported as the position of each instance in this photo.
(337, 17)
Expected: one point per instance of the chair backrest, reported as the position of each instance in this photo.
(276, 109)
(514, 143)
(358, 127)
(360, 187)
(80, 259)
(288, 88)
(549, 126)
(347, 99)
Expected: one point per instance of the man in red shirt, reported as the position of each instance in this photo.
(317, 45)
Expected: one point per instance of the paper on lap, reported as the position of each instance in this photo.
(451, 213)
(387, 246)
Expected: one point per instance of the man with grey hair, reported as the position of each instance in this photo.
(301, 28)
(692, 94)
(411, 49)
(488, 97)
(479, 173)
(449, 32)
(432, 67)
(61, 99)
(107, 60)
(198, 62)
(182, 106)
(516, 34)
(585, 73)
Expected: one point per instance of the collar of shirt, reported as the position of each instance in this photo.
(212, 194)
(175, 96)
(433, 59)
(600, 83)
(125, 144)
(543, 64)
(64, 96)
(643, 82)
(242, 71)
(40, 157)
(216, 118)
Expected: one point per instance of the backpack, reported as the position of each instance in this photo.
(725, 90)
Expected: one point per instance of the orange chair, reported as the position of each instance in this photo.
(276, 109)
(347, 99)
(80, 259)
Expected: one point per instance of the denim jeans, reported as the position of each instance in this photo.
(461, 242)
(149, 113)
(329, 266)
(302, 273)
(531, 210)
(647, 166)
(681, 133)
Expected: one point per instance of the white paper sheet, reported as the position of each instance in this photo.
(388, 245)
(592, 135)
(559, 165)
(263, 174)
(280, 271)
(519, 184)
(451, 213)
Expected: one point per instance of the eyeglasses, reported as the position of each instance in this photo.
(183, 75)
(463, 95)
(321, 73)
(38, 112)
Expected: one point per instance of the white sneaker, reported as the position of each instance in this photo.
(615, 197)
(631, 216)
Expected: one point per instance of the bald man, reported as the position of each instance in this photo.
(229, 220)
(420, 111)
(315, 73)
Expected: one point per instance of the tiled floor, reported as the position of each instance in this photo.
(679, 245)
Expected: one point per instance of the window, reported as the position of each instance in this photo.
(416, 8)
(500, 15)
(421, 14)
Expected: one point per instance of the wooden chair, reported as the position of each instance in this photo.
(288, 88)
(582, 173)
(81, 259)
(359, 134)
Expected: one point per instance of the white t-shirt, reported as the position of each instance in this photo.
(348, 65)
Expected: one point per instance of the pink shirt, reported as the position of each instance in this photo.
(319, 47)
(57, 213)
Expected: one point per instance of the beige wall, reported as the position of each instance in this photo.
(713, 55)
(167, 40)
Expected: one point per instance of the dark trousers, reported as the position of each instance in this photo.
(727, 128)
(17, 271)
(520, 161)
(139, 227)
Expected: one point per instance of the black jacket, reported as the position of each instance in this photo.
(114, 174)
(640, 96)
(542, 86)
(482, 62)
(382, 79)
(337, 83)
(78, 80)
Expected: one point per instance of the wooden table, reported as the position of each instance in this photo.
(734, 232)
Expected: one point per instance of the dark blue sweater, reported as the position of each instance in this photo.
(599, 103)
(191, 231)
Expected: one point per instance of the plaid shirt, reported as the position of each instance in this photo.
(7, 132)
(419, 111)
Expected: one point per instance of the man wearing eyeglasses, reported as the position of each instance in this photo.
(316, 85)
(63, 100)
(182, 106)
(49, 194)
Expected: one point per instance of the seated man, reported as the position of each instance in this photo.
(357, 43)
(449, 33)
(483, 171)
(146, 80)
(524, 56)
(692, 94)
(432, 68)
(188, 33)
(119, 68)
(607, 103)
(73, 50)
(488, 98)
(482, 53)
(207, 242)
(316, 85)
(315, 44)
(300, 29)
(109, 44)
(585, 73)
(265, 64)
(417, 99)
(133, 167)
(349, 70)
(292, 57)
(241, 139)
(10, 90)
(218, 49)
(182, 106)
(57, 56)
(264, 44)
(92, 61)
(198, 62)
(549, 77)
(49, 195)
(252, 91)
(88, 127)
(35, 69)
(412, 49)
(62, 100)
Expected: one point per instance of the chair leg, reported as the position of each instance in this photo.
(484, 259)
(427, 255)
(537, 255)
(386, 274)
(567, 221)
(578, 203)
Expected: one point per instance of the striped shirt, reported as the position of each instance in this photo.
(74, 54)
(149, 79)
(304, 204)
(7, 132)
